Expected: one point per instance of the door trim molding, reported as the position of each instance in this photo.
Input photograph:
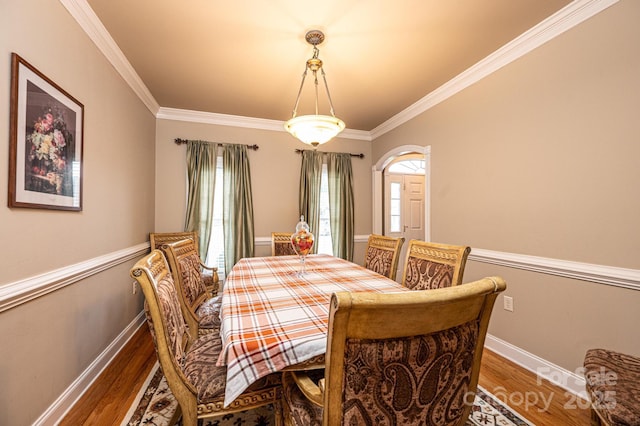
(378, 187)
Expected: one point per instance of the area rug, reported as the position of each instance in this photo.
(155, 405)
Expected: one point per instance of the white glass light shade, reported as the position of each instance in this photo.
(314, 129)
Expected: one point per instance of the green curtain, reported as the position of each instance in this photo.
(340, 179)
(201, 180)
(237, 205)
(309, 193)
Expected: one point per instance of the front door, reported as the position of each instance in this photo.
(404, 210)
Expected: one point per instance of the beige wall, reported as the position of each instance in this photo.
(275, 174)
(541, 158)
(48, 342)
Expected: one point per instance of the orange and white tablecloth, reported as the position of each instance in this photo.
(273, 318)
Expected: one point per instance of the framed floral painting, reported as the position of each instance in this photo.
(46, 138)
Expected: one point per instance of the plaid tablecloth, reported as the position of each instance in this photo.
(272, 318)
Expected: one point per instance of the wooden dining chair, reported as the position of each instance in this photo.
(397, 358)
(200, 307)
(209, 273)
(382, 255)
(432, 265)
(281, 244)
(189, 365)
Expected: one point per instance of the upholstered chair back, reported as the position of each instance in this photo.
(431, 265)
(281, 244)
(209, 275)
(162, 308)
(612, 381)
(382, 255)
(398, 358)
(183, 259)
(190, 365)
(157, 239)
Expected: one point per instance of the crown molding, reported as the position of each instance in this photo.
(571, 15)
(219, 119)
(240, 121)
(362, 135)
(93, 27)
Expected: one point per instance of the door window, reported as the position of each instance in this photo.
(395, 206)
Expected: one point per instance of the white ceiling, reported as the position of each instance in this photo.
(246, 57)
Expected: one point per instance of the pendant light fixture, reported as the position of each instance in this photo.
(314, 129)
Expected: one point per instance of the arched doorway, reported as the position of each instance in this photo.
(379, 186)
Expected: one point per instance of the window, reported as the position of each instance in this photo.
(408, 167)
(323, 236)
(215, 254)
(395, 198)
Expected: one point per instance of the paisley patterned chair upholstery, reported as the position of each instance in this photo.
(432, 265)
(200, 309)
(209, 274)
(281, 244)
(613, 384)
(382, 255)
(382, 369)
(188, 364)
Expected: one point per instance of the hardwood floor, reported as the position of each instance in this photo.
(109, 398)
(111, 395)
(538, 400)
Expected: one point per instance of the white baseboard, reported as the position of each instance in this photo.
(567, 380)
(61, 406)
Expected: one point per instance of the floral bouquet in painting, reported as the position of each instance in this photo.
(48, 169)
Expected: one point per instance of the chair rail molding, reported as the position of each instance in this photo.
(19, 292)
(266, 241)
(602, 274)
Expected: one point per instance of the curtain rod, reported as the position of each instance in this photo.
(300, 151)
(184, 141)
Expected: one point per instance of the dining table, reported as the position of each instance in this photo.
(274, 315)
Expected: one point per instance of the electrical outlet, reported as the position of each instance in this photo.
(508, 303)
(135, 287)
